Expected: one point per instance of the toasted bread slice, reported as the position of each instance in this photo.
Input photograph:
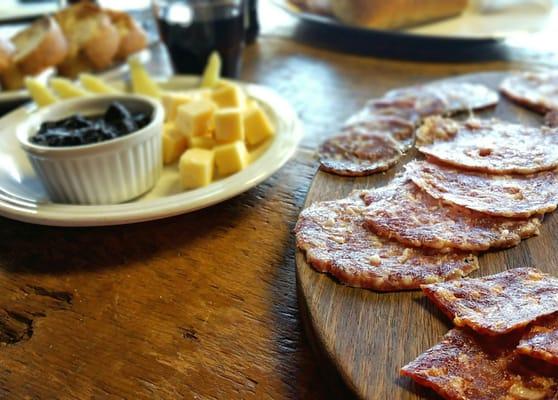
(91, 33)
(7, 50)
(39, 46)
(132, 37)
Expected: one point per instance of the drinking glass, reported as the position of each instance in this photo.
(192, 29)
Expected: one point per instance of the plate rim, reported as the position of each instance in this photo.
(284, 145)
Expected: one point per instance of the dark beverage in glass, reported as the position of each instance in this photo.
(192, 29)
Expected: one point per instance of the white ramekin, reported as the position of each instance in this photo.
(108, 172)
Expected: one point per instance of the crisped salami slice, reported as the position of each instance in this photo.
(358, 152)
(541, 340)
(465, 366)
(517, 196)
(446, 97)
(403, 109)
(499, 303)
(335, 241)
(537, 91)
(403, 212)
(551, 119)
(490, 146)
(403, 132)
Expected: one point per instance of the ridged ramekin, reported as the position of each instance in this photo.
(108, 172)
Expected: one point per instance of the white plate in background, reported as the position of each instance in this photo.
(23, 198)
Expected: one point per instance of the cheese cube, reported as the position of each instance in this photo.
(231, 158)
(257, 126)
(195, 118)
(228, 125)
(171, 101)
(174, 143)
(203, 142)
(227, 94)
(196, 168)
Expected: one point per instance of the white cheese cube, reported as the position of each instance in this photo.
(174, 143)
(195, 118)
(171, 101)
(257, 126)
(196, 168)
(229, 125)
(231, 158)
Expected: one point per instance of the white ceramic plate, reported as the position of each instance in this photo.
(513, 23)
(23, 198)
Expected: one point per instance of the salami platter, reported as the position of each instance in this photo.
(471, 199)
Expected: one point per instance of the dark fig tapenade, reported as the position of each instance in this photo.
(79, 130)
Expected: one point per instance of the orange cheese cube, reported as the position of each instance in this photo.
(229, 125)
(196, 168)
(231, 158)
(257, 126)
(227, 94)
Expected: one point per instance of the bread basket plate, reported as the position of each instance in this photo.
(11, 98)
(23, 198)
(513, 24)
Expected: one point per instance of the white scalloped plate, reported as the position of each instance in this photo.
(23, 198)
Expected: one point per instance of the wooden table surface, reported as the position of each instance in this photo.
(203, 305)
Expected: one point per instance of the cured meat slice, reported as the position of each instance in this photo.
(490, 146)
(446, 97)
(403, 132)
(551, 119)
(465, 366)
(537, 91)
(403, 212)
(541, 340)
(335, 241)
(358, 152)
(499, 303)
(404, 109)
(517, 196)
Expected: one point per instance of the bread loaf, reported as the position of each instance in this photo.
(393, 14)
(90, 33)
(39, 46)
(132, 36)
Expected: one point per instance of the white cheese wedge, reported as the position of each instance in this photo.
(231, 158)
(96, 85)
(66, 89)
(195, 118)
(142, 82)
(196, 168)
(42, 95)
(174, 144)
(257, 126)
(228, 94)
(229, 125)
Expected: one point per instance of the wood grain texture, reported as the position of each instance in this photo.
(369, 335)
(199, 306)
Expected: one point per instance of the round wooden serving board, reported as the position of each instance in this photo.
(369, 336)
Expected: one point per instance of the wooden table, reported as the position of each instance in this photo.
(202, 305)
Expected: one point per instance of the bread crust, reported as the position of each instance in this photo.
(132, 37)
(50, 50)
(7, 50)
(394, 13)
(91, 32)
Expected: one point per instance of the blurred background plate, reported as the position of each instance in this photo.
(513, 24)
